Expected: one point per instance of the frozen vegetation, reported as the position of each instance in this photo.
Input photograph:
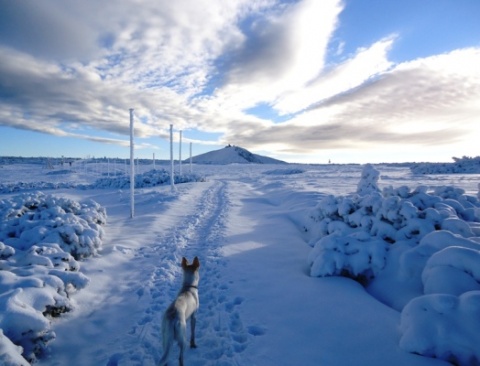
(465, 165)
(150, 178)
(42, 237)
(414, 249)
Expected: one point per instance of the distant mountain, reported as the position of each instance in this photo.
(233, 155)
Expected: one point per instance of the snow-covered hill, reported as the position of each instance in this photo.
(233, 155)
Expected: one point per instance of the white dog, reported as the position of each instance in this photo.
(183, 308)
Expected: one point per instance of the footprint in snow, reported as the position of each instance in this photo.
(231, 305)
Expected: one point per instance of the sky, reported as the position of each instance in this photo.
(305, 81)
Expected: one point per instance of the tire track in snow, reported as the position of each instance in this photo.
(221, 335)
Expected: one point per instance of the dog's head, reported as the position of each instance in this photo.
(190, 271)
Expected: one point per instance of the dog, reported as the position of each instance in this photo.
(184, 307)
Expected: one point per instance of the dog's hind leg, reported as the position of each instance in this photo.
(180, 328)
(193, 321)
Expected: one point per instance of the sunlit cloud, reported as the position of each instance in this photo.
(362, 67)
(431, 101)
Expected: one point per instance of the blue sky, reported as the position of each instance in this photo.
(303, 81)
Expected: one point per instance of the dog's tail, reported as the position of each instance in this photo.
(173, 329)
(168, 333)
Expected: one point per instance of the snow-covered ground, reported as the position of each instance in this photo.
(312, 265)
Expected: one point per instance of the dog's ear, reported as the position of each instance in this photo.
(184, 262)
(196, 263)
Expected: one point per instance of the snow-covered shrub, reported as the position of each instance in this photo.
(5, 251)
(22, 323)
(443, 326)
(381, 220)
(10, 354)
(453, 270)
(24, 186)
(34, 218)
(412, 261)
(463, 165)
(368, 181)
(416, 250)
(41, 239)
(151, 178)
(354, 255)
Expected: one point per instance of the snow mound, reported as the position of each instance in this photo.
(464, 165)
(413, 250)
(443, 326)
(41, 239)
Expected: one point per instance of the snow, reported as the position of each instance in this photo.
(308, 264)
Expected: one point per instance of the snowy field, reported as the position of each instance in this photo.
(300, 265)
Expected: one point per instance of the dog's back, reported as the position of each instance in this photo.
(184, 307)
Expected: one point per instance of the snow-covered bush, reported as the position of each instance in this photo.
(354, 255)
(28, 186)
(352, 235)
(443, 326)
(151, 178)
(10, 354)
(464, 165)
(34, 218)
(42, 237)
(453, 270)
(368, 181)
(415, 250)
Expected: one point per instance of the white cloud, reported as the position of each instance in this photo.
(366, 64)
(425, 103)
(284, 52)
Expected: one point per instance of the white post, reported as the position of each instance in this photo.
(172, 182)
(190, 157)
(153, 161)
(132, 167)
(180, 154)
